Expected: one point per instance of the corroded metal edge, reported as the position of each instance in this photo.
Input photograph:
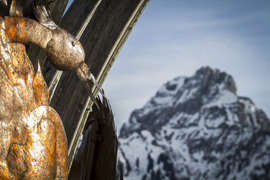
(102, 76)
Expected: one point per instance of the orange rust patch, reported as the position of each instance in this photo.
(15, 29)
(34, 145)
(40, 89)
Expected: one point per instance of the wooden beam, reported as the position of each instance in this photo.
(102, 39)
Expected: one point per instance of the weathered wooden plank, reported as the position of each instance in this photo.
(102, 39)
(98, 151)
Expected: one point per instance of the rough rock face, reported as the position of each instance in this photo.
(196, 128)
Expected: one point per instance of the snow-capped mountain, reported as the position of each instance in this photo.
(196, 128)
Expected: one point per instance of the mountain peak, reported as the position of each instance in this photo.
(207, 87)
(215, 76)
(197, 128)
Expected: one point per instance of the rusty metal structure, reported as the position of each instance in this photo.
(34, 143)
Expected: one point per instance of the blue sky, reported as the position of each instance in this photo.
(176, 37)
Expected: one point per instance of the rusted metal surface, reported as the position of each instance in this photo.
(35, 53)
(125, 18)
(33, 144)
(64, 50)
(36, 146)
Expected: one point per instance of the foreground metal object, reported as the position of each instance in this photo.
(107, 26)
(64, 50)
(33, 143)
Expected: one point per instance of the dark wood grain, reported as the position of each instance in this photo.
(98, 151)
(102, 39)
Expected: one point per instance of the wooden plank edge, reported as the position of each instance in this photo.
(102, 76)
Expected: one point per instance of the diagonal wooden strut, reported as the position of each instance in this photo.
(102, 26)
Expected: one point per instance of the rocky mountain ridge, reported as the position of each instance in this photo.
(196, 128)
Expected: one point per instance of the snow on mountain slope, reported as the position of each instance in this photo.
(196, 128)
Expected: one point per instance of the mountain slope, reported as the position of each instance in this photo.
(196, 128)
